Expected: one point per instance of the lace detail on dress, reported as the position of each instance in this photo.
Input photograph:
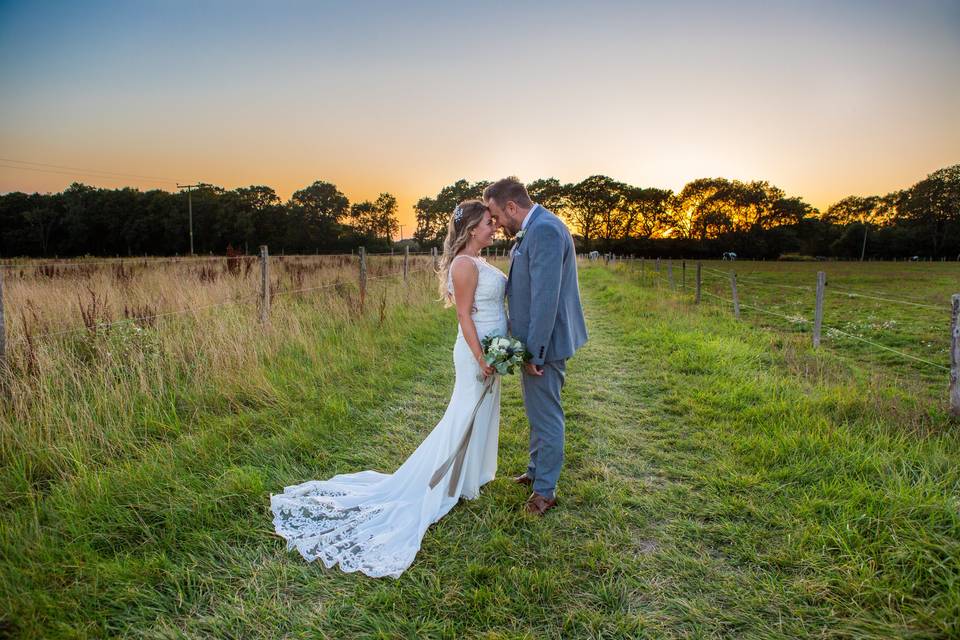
(319, 529)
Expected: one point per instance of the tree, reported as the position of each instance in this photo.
(593, 205)
(387, 222)
(752, 203)
(687, 207)
(363, 219)
(646, 212)
(321, 204)
(550, 194)
(853, 211)
(934, 204)
(250, 212)
(42, 221)
(314, 216)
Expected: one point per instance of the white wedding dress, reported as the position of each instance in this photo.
(373, 522)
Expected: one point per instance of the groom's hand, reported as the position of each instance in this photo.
(532, 369)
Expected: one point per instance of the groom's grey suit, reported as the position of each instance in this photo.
(545, 314)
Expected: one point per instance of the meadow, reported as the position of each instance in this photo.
(723, 479)
(894, 315)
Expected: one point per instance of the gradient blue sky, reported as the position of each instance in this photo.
(824, 99)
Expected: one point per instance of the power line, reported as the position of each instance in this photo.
(82, 170)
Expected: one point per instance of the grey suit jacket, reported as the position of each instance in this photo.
(543, 292)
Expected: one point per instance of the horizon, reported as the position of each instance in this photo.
(823, 101)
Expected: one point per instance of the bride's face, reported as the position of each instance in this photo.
(483, 233)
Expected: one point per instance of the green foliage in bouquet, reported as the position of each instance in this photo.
(504, 354)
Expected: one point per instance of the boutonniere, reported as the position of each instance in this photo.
(517, 238)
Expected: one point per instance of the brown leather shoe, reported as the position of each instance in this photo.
(539, 505)
(524, 479)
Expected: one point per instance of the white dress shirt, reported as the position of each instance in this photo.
(526, 219)
(523, 225)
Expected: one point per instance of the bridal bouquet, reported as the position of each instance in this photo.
(504, 354)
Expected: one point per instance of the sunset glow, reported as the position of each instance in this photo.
(823, 99)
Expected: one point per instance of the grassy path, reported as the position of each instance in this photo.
(709, 491)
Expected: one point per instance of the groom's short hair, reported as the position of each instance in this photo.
(507, 189)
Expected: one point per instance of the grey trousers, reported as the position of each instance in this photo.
(541, 400)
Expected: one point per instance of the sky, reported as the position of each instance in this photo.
(823, 99)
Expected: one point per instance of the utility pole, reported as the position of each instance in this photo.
(401, 233)
(188, 187)
(863, 249)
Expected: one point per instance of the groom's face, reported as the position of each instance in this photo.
(507, 216)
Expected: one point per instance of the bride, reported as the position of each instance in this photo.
(373, 522)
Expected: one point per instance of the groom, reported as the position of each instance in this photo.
(545, 315)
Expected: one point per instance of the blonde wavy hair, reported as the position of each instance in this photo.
(463, 220)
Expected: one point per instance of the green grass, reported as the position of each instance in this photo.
(721, 480)
(901, 305)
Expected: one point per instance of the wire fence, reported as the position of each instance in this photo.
(262, 297)
(664, 273)
(846, 292)
(73, 263)
(801, 319)
(267, 292)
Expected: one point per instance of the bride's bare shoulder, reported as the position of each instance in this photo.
(463, 269)
(460, 260)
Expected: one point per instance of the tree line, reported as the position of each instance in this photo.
(84, 220)
(710, 216)
(707, 217)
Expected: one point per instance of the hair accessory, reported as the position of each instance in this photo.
(457, 213)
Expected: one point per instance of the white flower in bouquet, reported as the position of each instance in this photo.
(504, 354)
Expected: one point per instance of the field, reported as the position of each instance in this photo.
(897, 306)
(723, 479)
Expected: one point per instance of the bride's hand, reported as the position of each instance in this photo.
(485, 368)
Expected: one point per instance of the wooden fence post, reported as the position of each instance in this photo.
(643, 272)
(658, 265)
(406, 258)
(818, 313)
(955, 356)
(363, 277)
(736, 299)
(697, 299)
(670, 274)
(683, 267)
(3, 331)
(264, 284)
(433, 252)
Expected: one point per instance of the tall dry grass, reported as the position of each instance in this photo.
(105, 358)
